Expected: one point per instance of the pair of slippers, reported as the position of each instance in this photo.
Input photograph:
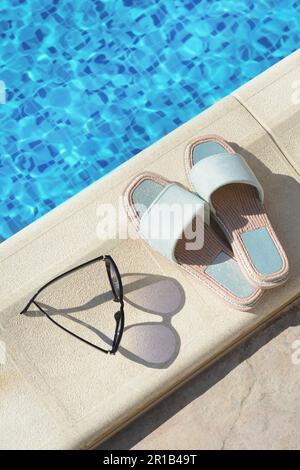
(225, 187)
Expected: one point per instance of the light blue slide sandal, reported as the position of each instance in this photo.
(212, 262)
(223, 179)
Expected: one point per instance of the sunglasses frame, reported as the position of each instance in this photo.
(119, 315)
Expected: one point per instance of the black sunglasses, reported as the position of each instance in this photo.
(115, 281)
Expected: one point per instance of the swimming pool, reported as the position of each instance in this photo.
(90, 85)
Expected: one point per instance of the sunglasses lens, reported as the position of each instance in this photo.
(115, 281)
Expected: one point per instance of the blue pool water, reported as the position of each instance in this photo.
(91, 83)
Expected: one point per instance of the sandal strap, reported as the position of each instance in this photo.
(215, 171)
(169, 216)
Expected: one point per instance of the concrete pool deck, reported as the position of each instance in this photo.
(56, 392)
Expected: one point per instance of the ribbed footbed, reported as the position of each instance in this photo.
(239, 208)
(200, 259)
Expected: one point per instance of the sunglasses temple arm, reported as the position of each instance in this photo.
(32, 301)
(60, 276)
(69, 331)
(117, 337)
